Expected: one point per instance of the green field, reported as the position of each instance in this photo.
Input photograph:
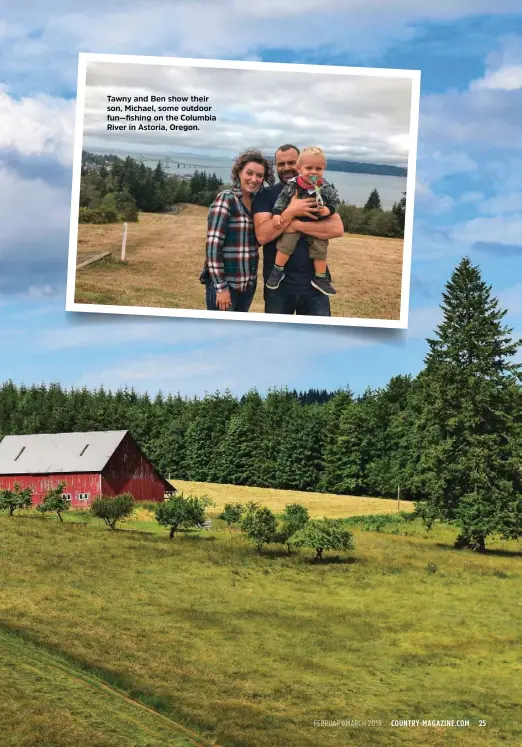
(50, 700)
(248, 650)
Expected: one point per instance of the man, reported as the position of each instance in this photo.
(295, 295)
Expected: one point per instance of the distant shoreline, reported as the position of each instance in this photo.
(334, 164)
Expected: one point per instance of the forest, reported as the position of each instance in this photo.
(113, 189)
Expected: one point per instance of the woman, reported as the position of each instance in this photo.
(232, 250)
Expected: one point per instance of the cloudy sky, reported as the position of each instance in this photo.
(468, 195)
(352, 116)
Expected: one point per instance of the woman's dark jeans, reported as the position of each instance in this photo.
(241, 300)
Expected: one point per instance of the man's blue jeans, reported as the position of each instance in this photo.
(241, 300)
(282, 301)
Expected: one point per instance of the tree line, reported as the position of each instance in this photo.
(449, 438)
(372, 220)
(113, 189)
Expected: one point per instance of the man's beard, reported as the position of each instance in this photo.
(287, 174)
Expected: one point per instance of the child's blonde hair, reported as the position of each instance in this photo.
(312, 150)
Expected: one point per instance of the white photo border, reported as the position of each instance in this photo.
(85, 57)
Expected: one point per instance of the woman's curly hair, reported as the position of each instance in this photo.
(252, 156)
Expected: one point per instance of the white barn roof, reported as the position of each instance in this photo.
(58, 452)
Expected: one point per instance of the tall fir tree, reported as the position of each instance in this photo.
(333, 465)
(468, 429)
(277, 409)
(239, 455)
(299, 454)
(374, 201)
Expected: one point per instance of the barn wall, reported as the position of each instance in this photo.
(40, 484)
(129, 471)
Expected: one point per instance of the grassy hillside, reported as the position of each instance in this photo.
(46, 699)
(318, 504)
(165, 254)
(249, 650)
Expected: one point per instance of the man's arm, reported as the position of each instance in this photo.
(329, 228)
(265, 230)
(264, 227)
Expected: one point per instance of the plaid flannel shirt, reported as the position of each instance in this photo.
(232, 248)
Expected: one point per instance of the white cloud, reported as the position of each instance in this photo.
(40, 125)
(423, 321)
(487, 113)
(495, 230)
(30, 209)
(508, 78)
(469, 198)
(351, 116)
(503, 67)
(502, 204)
(38, 39)
(511, 299)
(98, 331)
(430, 202)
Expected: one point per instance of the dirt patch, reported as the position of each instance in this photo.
(165, 253)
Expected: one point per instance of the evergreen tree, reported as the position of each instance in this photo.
(389, 404)
(374, 201)
(239, 455)
(468, 427)
(399, 211)
(332, 455)
(299, 456)
(348, 454)
(278, 408)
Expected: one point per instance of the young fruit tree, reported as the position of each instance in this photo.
(17, 498)
(468, 415)
(54, 501)
(295, 517)
(323, 534)
(259, 526)
(182, 513)
(231, 514)
(112, 510)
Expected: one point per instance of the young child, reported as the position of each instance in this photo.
(310, 183)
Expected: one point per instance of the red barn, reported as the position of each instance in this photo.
(90, 464)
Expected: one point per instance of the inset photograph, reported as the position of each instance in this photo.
(243, 190)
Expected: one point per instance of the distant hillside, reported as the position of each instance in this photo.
(357, 167)
(334, 164)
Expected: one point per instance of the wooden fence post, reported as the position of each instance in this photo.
(124, 242)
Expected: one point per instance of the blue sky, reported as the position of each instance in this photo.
(468, 201)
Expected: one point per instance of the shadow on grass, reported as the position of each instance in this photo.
(503, 553)
(495, 552)
(194, 537)
(275, 554)
(122, 685)
(330, 560)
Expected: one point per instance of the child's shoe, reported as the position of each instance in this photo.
(275, 278)
(323, 285)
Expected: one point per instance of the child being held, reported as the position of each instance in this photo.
(309, 183)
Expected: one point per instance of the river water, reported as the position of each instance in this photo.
(353, 188)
